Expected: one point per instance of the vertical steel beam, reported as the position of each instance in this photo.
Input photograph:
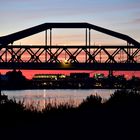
(46, 38)
(6, 55)
(86, 43)
(89, 37)
(51, 44)
(86, 38)
(128, 51)
(46, 43)
(50, 37)
(100, 55)
(0, 84)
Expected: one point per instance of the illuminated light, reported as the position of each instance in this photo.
(44, 83)
(65, 64)
(98, 75)
(49, 76)
(62, 76)
(98, 85)
(66, 61)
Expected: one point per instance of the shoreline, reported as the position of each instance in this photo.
(11, 89)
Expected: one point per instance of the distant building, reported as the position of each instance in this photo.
(99, 76)
(79, 75)
(44, 77)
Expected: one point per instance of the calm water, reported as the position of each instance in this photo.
(39, 98)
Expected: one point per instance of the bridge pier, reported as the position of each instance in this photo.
(0, 84)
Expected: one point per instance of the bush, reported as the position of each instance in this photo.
(92, 101)
(124, 98)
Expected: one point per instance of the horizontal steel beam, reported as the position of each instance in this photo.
(73, 66)
(72, 47)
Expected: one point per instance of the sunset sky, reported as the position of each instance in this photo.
(118, 15)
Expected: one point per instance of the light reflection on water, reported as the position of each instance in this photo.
(39, 98)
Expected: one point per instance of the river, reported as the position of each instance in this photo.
(39, 98)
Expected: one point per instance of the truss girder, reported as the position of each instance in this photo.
(73, 55)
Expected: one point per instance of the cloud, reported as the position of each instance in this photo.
(21, 14)
(136, 21)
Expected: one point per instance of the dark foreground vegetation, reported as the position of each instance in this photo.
(116, 118)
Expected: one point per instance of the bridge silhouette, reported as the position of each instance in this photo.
(84, 57)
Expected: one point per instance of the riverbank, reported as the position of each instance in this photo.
(118, 116)
(41, 96)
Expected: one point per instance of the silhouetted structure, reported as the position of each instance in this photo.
(42, 57)
(79, 75)
(14, 80)
(0, 84)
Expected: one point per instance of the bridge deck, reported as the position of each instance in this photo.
(74, 66)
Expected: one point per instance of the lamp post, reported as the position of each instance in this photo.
(0, 84)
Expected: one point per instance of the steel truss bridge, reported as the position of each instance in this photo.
(52, 57)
